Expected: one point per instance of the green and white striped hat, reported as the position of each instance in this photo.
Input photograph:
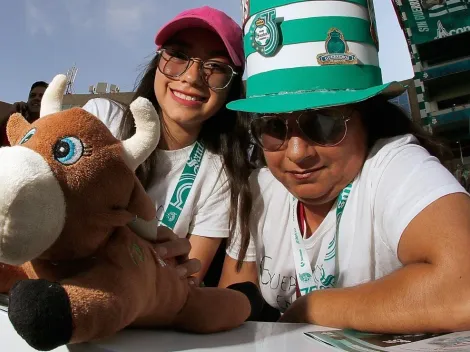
(309, 54)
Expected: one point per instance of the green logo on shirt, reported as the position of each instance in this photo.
(305, 277)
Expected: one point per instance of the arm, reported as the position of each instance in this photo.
(203, 249)
(4, 119)
(248, 271)
(231, 276)
(209, 225)
(244, 280)
(430, 293)
(20, 107)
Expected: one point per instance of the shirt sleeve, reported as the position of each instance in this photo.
(411, 180)
(211, 217)
(234, 248)
(108, 111)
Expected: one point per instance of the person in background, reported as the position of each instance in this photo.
(30, 110)
(355, 224)
(198, 176)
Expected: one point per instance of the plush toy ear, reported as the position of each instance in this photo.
(140, 203)
(17, 127)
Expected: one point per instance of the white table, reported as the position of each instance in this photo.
(259, 337)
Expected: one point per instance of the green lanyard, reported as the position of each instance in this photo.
(323, 275)
(184, 185)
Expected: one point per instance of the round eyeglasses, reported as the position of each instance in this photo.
(215, 74)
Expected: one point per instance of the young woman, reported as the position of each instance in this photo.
(198, 176)
(355, 222)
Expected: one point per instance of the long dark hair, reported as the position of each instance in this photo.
(384, 119)
(225, 134)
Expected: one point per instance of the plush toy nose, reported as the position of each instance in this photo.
(32, 205)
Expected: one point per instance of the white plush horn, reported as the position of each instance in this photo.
(147, 134)
(52, 99)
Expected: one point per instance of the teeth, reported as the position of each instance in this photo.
(185, 97)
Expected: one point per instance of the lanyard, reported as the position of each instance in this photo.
(324, 274)
(184, 185)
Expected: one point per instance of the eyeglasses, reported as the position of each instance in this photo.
(215, 74)
(325, 127)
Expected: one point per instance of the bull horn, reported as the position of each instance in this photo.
(52, 99)
(147, 135)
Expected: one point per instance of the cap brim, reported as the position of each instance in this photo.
(193, 22)
(288, 102)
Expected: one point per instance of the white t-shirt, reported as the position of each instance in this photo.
(398, 180)
(207, 209)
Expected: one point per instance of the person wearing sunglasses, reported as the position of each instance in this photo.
(198, 176)
(355, 222)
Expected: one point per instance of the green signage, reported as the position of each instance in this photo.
(434, 19)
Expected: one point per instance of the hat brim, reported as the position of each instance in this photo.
(289, 102)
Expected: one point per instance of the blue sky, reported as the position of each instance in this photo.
(110, 40)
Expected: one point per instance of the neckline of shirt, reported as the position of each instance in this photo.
(177, 154)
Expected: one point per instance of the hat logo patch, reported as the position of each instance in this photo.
(337, 51)
(264, 33)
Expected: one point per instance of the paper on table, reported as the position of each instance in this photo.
(354, 341)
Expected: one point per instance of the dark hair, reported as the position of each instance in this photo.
(384, 119)
(39, 84)
(225, 134)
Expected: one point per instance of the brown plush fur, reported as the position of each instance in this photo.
(112, 276)
(9, 275)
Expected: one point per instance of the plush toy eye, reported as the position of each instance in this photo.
(68, 150)
(28, 136)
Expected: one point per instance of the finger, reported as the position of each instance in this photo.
(175, 248)
(19, 107)
(189, 268)
(182, 258)
(194, 281)
(16, 107)
(23, 107)
(164, 234)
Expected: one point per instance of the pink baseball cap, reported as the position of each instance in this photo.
(207, 17)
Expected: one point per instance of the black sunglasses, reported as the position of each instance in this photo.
(324, 127)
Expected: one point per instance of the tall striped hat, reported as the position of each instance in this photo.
(308, 54)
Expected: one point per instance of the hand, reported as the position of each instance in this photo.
(170, 246)
(20, 107)
(296, 313)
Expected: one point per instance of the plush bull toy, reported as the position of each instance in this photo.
(75, 270)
